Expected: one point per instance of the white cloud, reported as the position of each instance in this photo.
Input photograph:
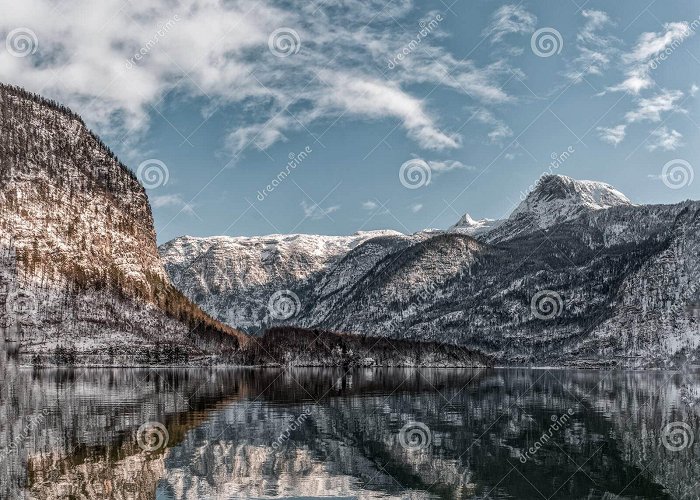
(499, 131)
(219, 50)
(171, 200)
(614, 135)
(370, 205)
(665, 139)
(637, 75)
(510, 19)
(694, 90)
(502, 131)
(637, 79)
(375, 98)
(650, 44)
(416, 208)
(439, 167)
(650, 109)
(595, 20)
(595, 50)
(314, 211)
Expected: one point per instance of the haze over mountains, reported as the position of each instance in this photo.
(577, 274)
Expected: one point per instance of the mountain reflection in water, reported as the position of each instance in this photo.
(364, 433)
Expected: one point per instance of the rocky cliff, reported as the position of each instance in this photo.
(80, 273)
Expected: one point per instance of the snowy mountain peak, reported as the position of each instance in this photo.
(468, 225)
(558, 198)
(562, 191)
(554, 200)
(468, 221)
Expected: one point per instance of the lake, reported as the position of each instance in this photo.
(365, 433)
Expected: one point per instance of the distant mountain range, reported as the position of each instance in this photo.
(576, 275)
(81, 280)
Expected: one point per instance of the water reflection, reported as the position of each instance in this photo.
(235, 433)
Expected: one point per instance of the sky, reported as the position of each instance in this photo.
(246, 117)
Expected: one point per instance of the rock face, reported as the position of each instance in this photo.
(234, 278)
(576, 275)
(79, 268)
(557, 199)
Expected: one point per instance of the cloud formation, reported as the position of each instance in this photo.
(115, 64)
(315, 212)
(595, 49)
(510, 19)
(638, 60)
(665, 139)
(612, 135)
(442, 166)
(651, 108)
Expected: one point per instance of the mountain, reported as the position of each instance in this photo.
(80, 275)
(233, 278)
(576, 275)
(555, 200)
(472, 227)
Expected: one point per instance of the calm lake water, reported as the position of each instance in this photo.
(367, 433)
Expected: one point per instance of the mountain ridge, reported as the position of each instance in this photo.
(592, 260)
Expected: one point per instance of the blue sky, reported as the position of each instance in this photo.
(223, 94)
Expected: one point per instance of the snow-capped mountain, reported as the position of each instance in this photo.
(233, 278)
(79, 268)
(555, 200)
(472, 227)
(577, 274)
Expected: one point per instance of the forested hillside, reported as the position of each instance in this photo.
(80, 268)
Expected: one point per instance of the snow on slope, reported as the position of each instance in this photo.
(472, 227)
(582, 242)
(233, 278)
(79, 267)
(557, 199)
